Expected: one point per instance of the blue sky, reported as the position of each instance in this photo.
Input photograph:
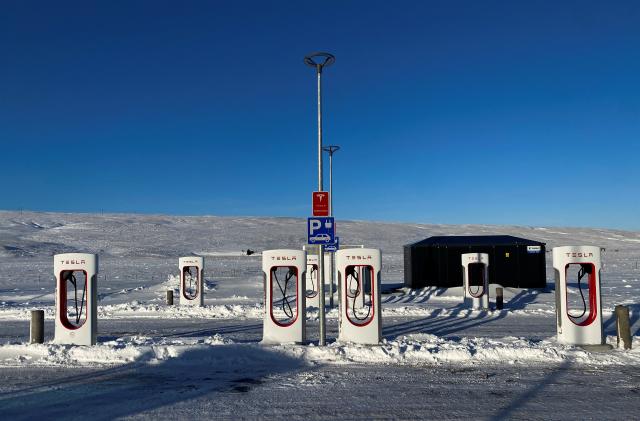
(456, 112)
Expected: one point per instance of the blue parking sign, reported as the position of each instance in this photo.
(320, 230)
(333, 247)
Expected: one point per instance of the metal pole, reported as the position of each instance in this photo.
(331, 214)
(330, 184)
(328, 60)
(319, 127)
(323, 323)
(331, 149)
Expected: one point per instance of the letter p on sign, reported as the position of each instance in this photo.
(314, 225)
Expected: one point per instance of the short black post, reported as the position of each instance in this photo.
(37, 327)
(170, 297)
(499, 298)
(623, 327)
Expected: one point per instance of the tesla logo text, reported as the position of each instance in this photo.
(358, 257)
(284, 258)
(72, 262)
(579, 254)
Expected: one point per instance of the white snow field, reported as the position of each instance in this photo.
(437, 361)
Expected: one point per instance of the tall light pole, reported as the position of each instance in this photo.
(319, 60)
(331, 149)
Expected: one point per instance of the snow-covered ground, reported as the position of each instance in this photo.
(426, 331)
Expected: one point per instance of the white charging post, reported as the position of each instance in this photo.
(76, 298)
(284, 296)
(578, 304)
(191, 280)
(475, 270)
(360, 317)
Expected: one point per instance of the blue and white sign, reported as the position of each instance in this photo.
(332, 248)
(320, 230)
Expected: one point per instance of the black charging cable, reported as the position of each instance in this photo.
(188, 272)
(584, 269)
(72, 279)
(476, 293)
(352, 275)
(314, 291)
(286, 305)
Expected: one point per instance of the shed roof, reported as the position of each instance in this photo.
(475, 240)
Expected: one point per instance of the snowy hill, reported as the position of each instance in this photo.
(30, 234)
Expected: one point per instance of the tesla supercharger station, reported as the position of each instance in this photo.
(475, 272)
(360, 317)
(578, 305)
(76, 298)
(191, 280)
(312, 286)
(284, 296)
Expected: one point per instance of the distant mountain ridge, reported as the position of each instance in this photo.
(41, 234)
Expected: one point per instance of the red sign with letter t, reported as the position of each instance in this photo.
(320, 203)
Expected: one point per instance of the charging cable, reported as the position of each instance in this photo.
(71, 278)
(286, 304)
(584, 269)
(314, 291)
(352, 276)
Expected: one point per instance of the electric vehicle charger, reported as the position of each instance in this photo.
(475, 282)
(284, 273)
(360, 317)
(578, 320)
(312, 284)
(76, 312)
(191, 280)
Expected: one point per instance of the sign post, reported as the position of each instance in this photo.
(331, 149)
(323, 60)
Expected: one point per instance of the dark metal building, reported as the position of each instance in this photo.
(513, 262)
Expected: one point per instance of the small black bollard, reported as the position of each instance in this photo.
(499, 298)
(623, 327)
(37, 327)
(170, 297)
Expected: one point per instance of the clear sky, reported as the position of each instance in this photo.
(455, 112)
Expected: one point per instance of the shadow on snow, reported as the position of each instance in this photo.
(146, 385)
(453, 322)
